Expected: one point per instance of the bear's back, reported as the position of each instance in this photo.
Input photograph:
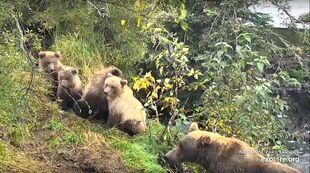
(127, 106)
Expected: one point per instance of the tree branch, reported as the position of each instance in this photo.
(285, 10)
(23, 47)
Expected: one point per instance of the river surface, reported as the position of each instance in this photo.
(301, 151)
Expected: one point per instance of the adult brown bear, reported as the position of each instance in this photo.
(94, 102)
(49, 63)
(218, 154)
(125, 111)
(69, 87)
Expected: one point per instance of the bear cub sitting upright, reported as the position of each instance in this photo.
(69, 87)
(49, 63)
(219, 154)
(94, 102)
(125, 112)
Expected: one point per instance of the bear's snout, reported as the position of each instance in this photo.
(170, 156)
(51, 71)
(166, 156)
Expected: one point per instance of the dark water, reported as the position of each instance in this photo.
(301, 151)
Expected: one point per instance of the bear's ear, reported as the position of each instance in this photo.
(117, 72)
(42, 54)
(123, 82)
(193, 127)
(74, 71)
(57, 54)
(203, 141)
(109, 74)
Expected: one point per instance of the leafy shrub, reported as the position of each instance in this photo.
(220, 75)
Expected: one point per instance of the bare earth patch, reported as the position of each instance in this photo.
(94, 156)
(80, 161)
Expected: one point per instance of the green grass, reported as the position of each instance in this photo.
(142, 152)
(73, 138)
(55, 124)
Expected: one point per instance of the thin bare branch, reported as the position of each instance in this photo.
(23, 47)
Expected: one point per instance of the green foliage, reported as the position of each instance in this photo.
(174, 72)
(55, 125)
(89, 39)
(73, 138)
(56, 142)
(142, 152)
(204, 61)
(219, 74)
(14, 102)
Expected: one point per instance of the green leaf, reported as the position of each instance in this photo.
(217, 93)
(183, 14)
(228, 56)
(260, 66)
(184, 26)
(219, 53)
(238, 49)
(248, 37)
(158, 30)
(191, 72)
(236, 65)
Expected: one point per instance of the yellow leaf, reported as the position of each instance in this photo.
(167, 80)
(158, 29)
(154, 95)
(123, 22)
(139, 21)
(196, 76)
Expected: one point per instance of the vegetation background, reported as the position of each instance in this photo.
(213, 62)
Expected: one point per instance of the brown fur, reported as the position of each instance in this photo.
(125, 111)
(49, 63)
(69, 87)
(93, 101)
(220, 154)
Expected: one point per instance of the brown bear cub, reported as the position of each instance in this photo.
(69, 87)
(49, 63)
(125, 112)
(94, 102)
(218, 154)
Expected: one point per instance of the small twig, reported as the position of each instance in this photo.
(156, 111)
(212, 24)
